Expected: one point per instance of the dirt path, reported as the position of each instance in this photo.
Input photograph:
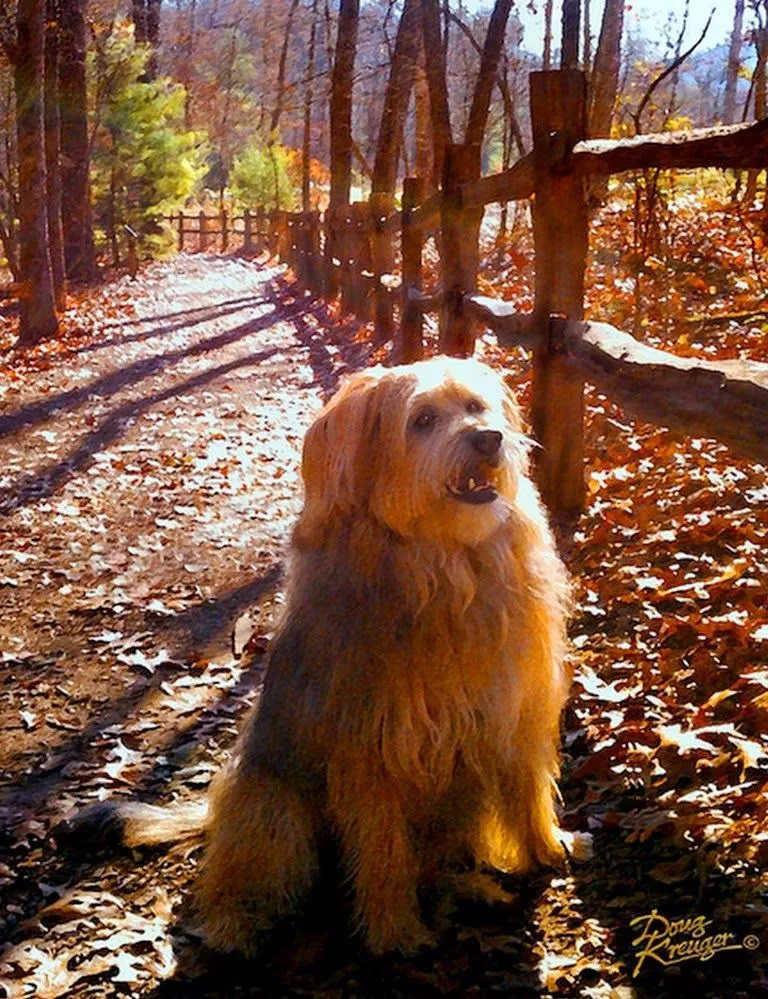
(148, 482)
(148, 492)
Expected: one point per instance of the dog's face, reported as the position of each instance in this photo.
(432, 449)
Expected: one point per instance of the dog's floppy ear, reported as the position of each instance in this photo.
(347, 446)
(333, 463)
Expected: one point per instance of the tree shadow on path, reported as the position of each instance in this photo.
(43, 483)
(111, 383)
(207, 623)
(332, 352)
(184, 319)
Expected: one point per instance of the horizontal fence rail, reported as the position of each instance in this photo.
(724, 400)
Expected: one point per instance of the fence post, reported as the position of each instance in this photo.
(312, 250)
(247, 232)
(332, 250)
(257, 226)
(287, 253)
(224, 231)
(297, 238)
(382, 206)
(411, 320)
(272, 234)
(361, 263)
(460, 228)
(283, 237)
(560, 230)
(344, 239)
(201, 234)
(181, 232)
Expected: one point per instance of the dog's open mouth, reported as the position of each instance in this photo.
(473, 489)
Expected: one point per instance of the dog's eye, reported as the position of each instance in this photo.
(425, 419)
(475, 406)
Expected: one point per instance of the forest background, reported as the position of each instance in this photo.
(126, 112)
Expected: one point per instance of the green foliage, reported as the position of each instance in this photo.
(145, 162)
(260, 177)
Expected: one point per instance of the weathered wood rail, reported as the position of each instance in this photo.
(354, 252)
(724, 400)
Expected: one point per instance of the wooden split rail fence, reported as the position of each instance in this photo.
(351, 252)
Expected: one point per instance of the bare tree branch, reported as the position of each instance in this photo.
(486, 75)
(670, 69)
(501, 82)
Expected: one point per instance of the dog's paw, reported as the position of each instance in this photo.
(229, 929)
(549, 852)
(475, 886)
(406, 937)
(579, 846)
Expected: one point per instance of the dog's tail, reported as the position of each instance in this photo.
(135, 823)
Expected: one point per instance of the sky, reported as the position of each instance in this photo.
(648, 17)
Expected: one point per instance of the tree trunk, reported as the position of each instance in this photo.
(502, 82)
(341, 103)
(153, 22)
(486, 76)
(37, 310)
(402, 69)
(9, 189)
(146, 25)
(79, 254)
(306, 145)
(734, 64)
(569, 52)
(53, 153)
(341, 145)
(506, 159)
(761, 46)
(190, 41)
(277, 110)
(438, 88)
(605, 73)
(424, 160)
(139, 15)
(587, 58)
(547, 57)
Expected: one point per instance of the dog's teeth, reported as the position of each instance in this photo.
(471, 484)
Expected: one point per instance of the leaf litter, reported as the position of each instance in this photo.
(158, 465)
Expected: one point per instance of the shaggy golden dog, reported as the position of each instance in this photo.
(411, 706)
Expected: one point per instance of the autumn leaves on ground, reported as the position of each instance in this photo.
(149, 480)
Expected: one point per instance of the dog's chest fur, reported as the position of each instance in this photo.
(416, 652)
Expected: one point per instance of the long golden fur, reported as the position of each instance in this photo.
(414, 689)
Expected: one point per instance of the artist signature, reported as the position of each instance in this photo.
(672, 941)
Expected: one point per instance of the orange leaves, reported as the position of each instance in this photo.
(697, 283)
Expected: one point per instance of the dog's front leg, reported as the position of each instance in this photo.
(527, 807)
(377, 848)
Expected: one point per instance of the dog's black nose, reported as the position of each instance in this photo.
(486, 442)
